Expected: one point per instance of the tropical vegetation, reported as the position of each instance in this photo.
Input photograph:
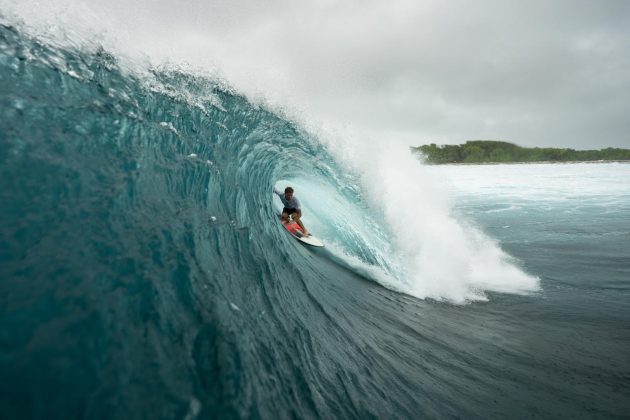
(489, 151)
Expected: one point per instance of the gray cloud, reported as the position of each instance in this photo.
(539, 73)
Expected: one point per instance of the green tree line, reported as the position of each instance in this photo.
(488, 151)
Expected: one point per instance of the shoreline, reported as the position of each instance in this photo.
(546, 162)
(484, 152)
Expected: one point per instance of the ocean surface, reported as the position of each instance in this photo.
(144, 274)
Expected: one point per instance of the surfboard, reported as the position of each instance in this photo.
(296, 231)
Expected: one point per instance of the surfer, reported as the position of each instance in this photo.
(291, 208)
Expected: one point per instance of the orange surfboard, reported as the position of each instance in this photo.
(296, 231)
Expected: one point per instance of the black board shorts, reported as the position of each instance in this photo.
(289, 211)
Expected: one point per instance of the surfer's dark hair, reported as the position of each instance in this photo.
(288, 190)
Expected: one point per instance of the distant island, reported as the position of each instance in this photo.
(489, 151)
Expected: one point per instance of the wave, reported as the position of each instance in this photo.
(138, 226)
(205, 141)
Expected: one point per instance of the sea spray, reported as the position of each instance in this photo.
(438, 255)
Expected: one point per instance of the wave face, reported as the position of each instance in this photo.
(144, 274)
(144, 271)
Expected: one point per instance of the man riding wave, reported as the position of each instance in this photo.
(291, 208)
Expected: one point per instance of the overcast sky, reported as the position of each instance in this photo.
(536, 73)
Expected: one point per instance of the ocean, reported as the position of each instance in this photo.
(144, 274)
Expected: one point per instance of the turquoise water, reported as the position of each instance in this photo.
(143, 273)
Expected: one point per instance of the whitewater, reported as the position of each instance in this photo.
(144, 273)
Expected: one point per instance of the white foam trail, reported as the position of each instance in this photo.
(441, 257)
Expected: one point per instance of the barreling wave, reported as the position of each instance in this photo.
(144, 273)
(140, 246)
